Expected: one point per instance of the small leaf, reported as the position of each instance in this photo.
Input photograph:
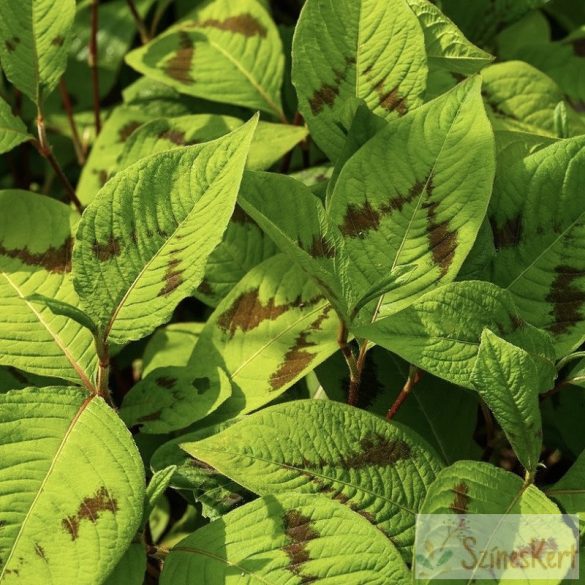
(226, 51)
(287, 538)
(157, 486)
(65, 310)
(172, 398)
(506, 378)
(148, 234)
(356, 49)
(34, 40)
(131, 568)
(446, 45)
(316, 446)
(12, 129)
(72, 487)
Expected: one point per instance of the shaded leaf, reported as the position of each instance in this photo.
(12, 129)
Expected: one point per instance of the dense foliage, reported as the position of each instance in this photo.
(277, 276)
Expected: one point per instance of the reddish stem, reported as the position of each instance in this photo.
(93, 64)
(414, 376)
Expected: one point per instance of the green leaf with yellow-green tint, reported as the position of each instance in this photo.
(149, 232)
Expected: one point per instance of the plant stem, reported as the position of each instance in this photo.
(144, 34)
(355, 366)
(569, 358)
(103, 374)
(93, 64)
(45, 150)
(160, 10)
(68, 106)
(414, 376)
(490, 430)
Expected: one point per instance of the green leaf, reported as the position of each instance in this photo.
(356, 49)
(316, 446)
(131, 568)
(71, 487)
(569, 491)
(170, 346)
(520, 97)
(170, 399)
(289, 538)
(506, 378)
(428, 210)
(447, 48)
(271, 141)
(226, 52)
(471, 487)
(441, 332)
(159, 483)
(120, 125)
(12, 129)
(35, 258)
(149, 232)
(272, 329)
(34, 40)
(538, 216)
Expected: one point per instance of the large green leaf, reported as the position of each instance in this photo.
(507, 379)
(471, 487)
(441, 332)
(315, 446)
(144, 241)
(365, 49)
(272, 329)
(131, 568)
(538, 216)
(416, 194)
(12, 129)
(35, 258)
(287, 539)
(34, 39)
(172, 398)
(447, 48)
(71, 487)
(271, 141)
(228, 51)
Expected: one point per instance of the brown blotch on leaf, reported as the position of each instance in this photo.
(150, 417)
(579, 47)
(248, 312)
(321, 248)
(173, 278)
(102, 177)
(179, 66)
(205, 288)
(461, 501)
(378, 450)
(54, 259)
(125, 132)
(108, 250)
(397, 203)
(90, 509)
(58, 41)
(175, 136)
(40, 551)
(295, 361)
(391, 100)
(243, 24)
(11, 44)
(166, 382)
(567, 299)
(324, 96)
(509, 233)
(359, 219)
(442, 240)
(300, 531)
